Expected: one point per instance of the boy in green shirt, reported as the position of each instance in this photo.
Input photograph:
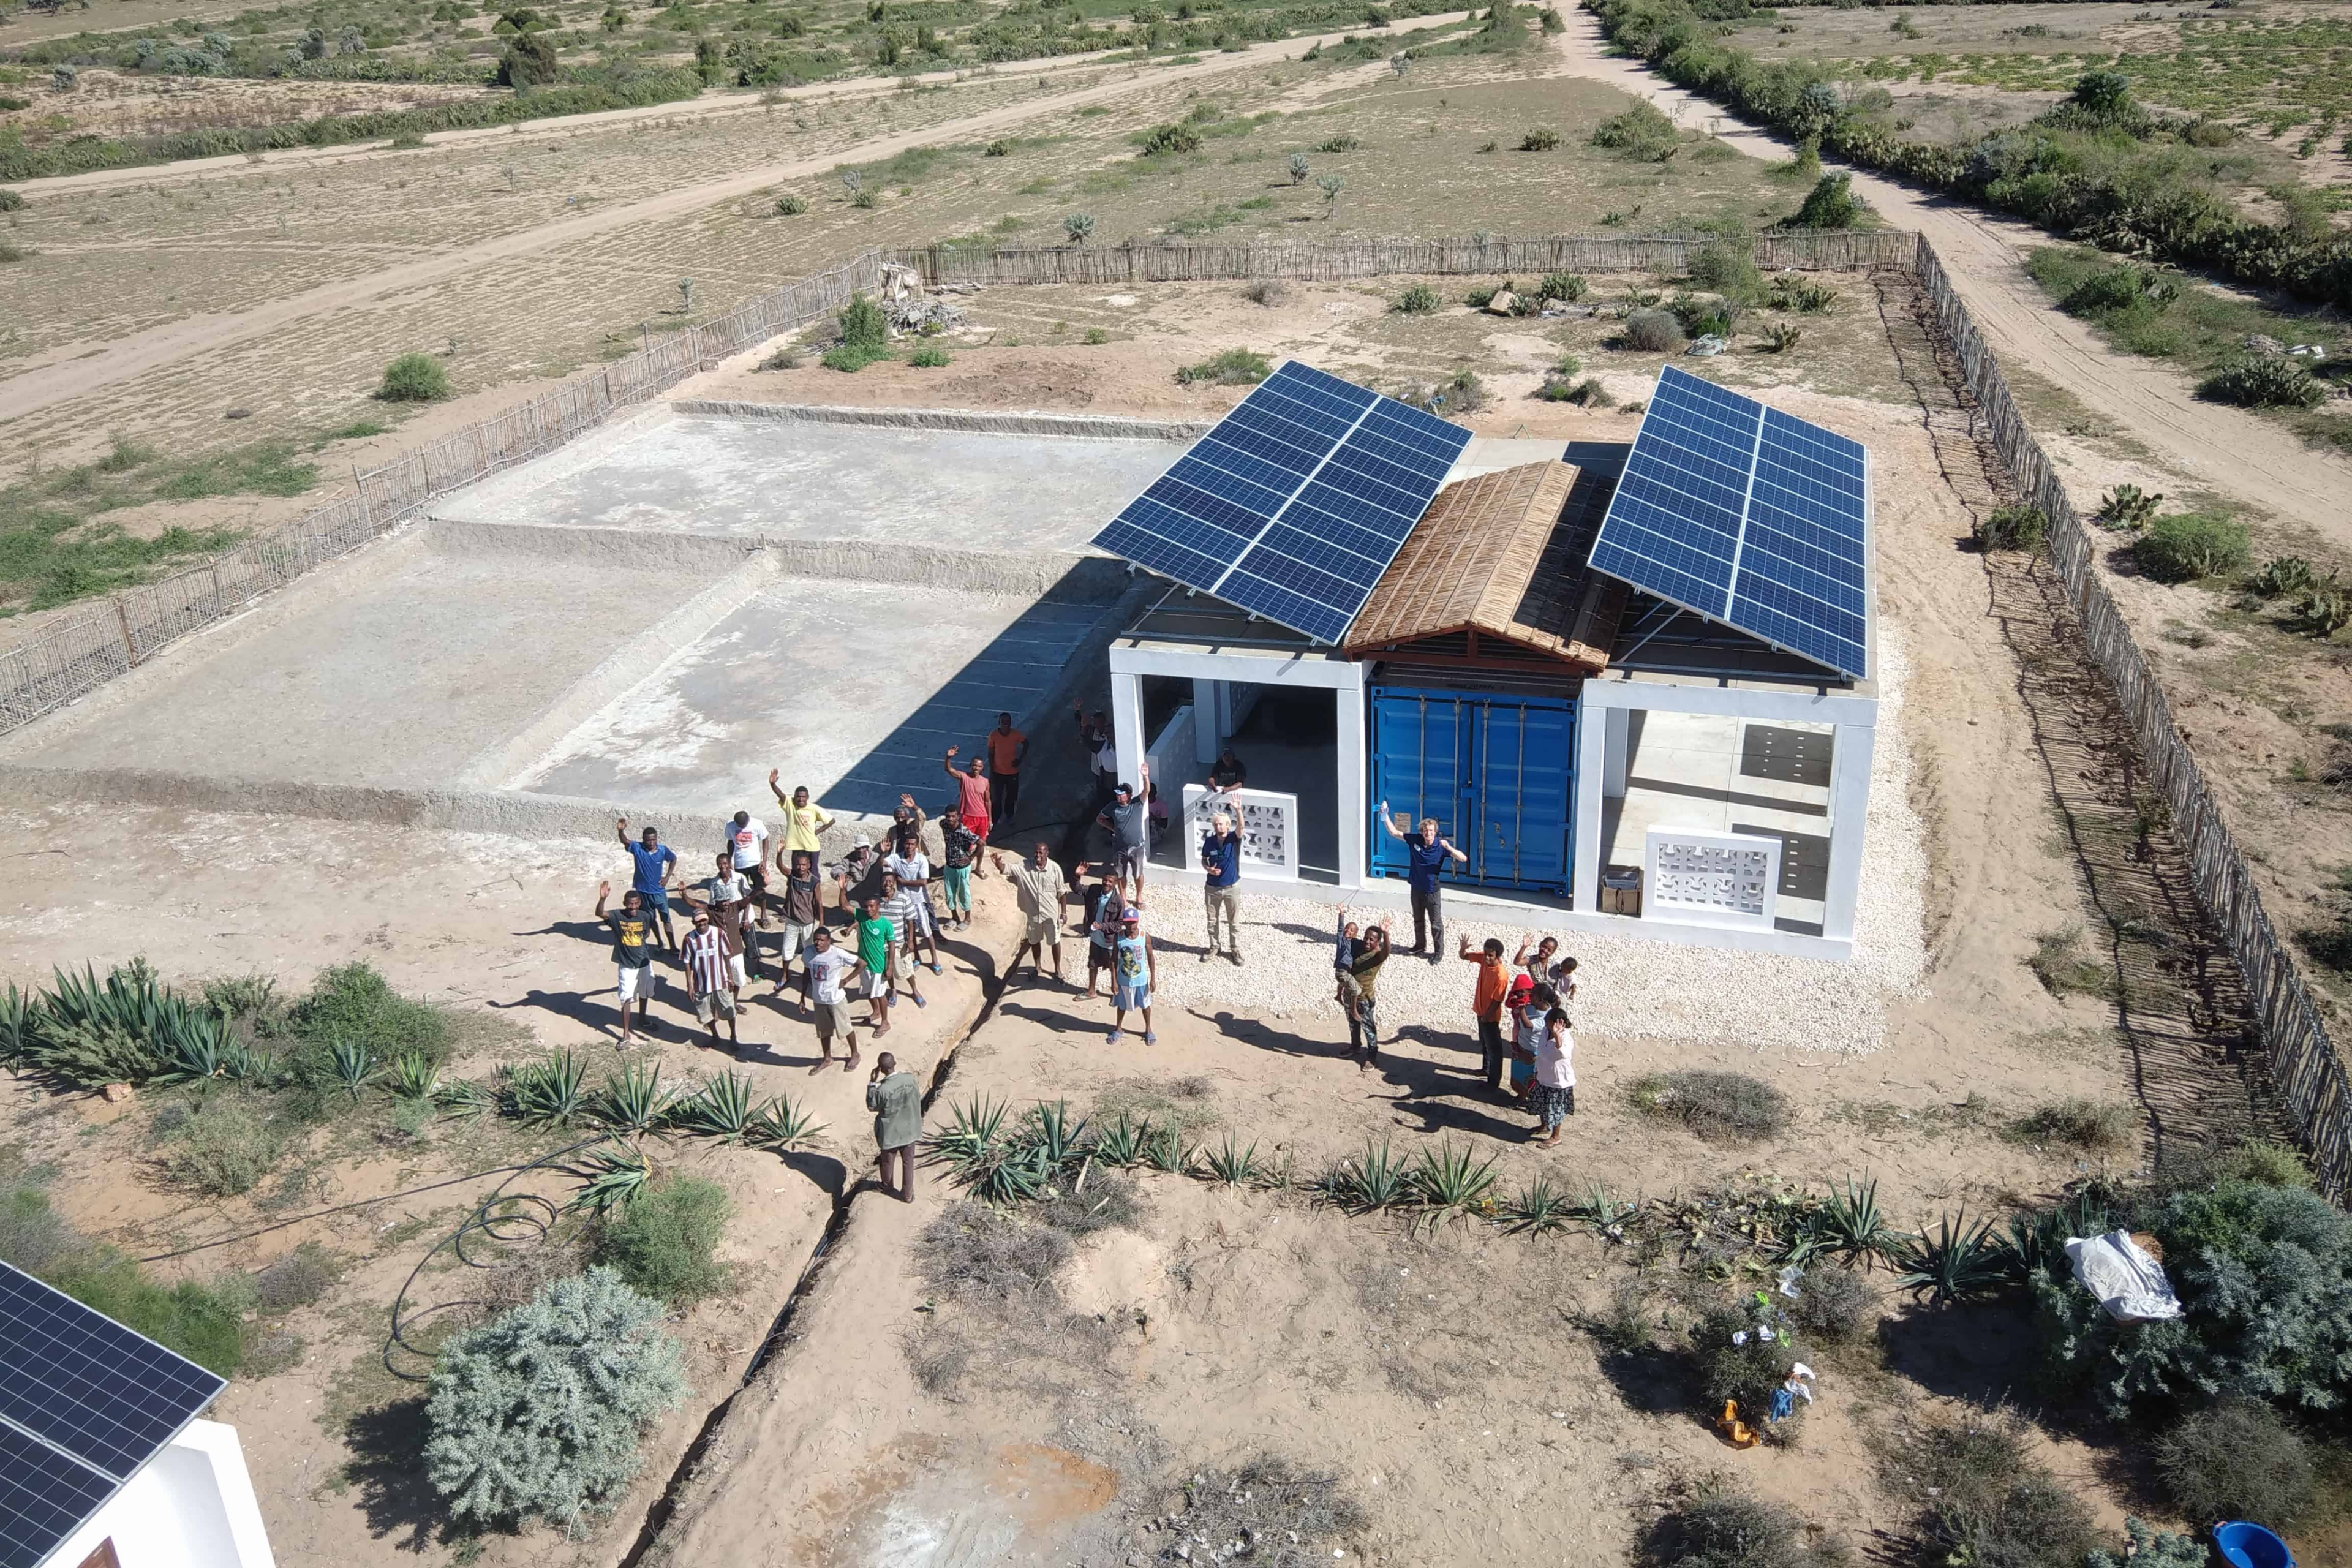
(877, 944)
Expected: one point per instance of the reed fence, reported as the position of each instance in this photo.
(1312, 261)
(70, 658)
(2303, 1066)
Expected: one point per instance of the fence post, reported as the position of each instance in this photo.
(122, 621)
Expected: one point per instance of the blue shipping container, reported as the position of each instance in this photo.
(1495, 769)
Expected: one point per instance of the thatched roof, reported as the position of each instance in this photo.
(1501, 555)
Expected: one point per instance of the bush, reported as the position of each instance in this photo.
(32, 1235)
(1718, 1106)
(2188, 545)
(1802, 294)
(1834, 1304)
(2236, 1460)
(1782, 336)
(1298, 168)
(538, 1415)
(851, 358)
(1420, 299)
(221, 1147)
(1000, 148)
(530, 61)
(1980, 1498)
(1642, 130)
(352, 1001)
(1830, 203)
(789, 205)
(414, 378)
(2260, 383)
(1736, 1363)
(1078, 227)
(1270, 291)
(1338, 144)
(930, 356)
(2148, 1547)
(2093, 1126)
(199, 1321)
(1561, 386)
(1540, 140)
(2016, 527)
(1234, 367)
(1728, 267)
(2264, 1276)
(662, 1242)
(1653, 331)
(1568, 286)
(297, 1280)
(1162, 139)
(10, 201)
(1718, 1527)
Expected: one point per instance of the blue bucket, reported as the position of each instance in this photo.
(2252, 1546)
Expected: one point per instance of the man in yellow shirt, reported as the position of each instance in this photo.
(803, 818)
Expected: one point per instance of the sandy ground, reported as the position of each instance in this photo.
(116, 103)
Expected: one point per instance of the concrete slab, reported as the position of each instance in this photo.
(793, 480)
(392, 674)
(855, 689)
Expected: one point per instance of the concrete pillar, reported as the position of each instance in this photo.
(1593, 728)
(1849, 814)
(1208, 714)
(1618, 761)
(1126, 725)
(1354, 810)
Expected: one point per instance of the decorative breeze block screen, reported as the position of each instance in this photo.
(1713, 879)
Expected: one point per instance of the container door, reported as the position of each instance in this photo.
(1521, 753)
(1419, 765)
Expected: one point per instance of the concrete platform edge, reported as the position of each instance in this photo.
(1095, 427)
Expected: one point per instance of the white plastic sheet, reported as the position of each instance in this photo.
(2129, 1284)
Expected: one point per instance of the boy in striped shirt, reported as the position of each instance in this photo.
(710, 978)
(904, 907)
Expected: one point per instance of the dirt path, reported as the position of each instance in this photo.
(2243, 457)
(73, 370)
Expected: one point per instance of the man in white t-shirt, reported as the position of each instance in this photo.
(917, 921)
(727, 893)
(747, 844)
(832, 970)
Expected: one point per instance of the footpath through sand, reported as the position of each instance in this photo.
(2243, 457)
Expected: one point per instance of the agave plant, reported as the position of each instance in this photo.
(1048, 1127)
(1230, 1165)
(1601, 1212)
(1539, 1209)
(609, 1176)
(89, 1032)
(781, 1124)
(974, 1129)
(721, 1109)
(633, 1101)
(1010, 1174)
(1452, 1184)
(351, 1064)
(1167, 1151)
(460, 1098)
(1960, 1262)
(2036, 1243)
(551, 1093)
(197, 1046)
(245, 1064)
(1848, 1223)
(1121, 1143)
(413, 1076)
(17, 1015)
(1377, 1180)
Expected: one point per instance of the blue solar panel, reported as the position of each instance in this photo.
(1751, 518)
(84, 1403)
(1295, 503)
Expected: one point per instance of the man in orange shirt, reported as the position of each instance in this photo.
(1006, 747)
(1493, 984)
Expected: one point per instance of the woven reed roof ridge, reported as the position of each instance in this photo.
(1468, 562)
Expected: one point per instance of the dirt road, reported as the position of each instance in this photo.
(2243, 457)
(60, 375)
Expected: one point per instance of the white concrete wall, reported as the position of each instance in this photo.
(192, 1507)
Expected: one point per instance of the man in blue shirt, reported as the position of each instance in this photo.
(1425, 855)
(655, 867)
(1221, 858)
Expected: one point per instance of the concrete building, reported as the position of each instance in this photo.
(191, 1507)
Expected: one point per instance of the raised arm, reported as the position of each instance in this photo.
(1457, 854)
(1519, 959)
(1388, 826)
(621, 830)
(778, 790)
(603, 891)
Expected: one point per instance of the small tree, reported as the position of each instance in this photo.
(862, 324)
(709, 61)
(1331, 185)
(538, 1415)
(1830, 203)
(2103, 95)
(63, 78)
(414, 378)
(1079, 227)
(685, 296)
(615, 19)
(530, 61)
(1298, 168)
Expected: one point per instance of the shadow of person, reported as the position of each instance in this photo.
(1259, 1034)
(595, 932)
(577, 1006)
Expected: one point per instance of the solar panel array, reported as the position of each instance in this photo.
(84, 1403)
(1294, 503)
(1751, 518)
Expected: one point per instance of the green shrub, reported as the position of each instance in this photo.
(352, 1001)
(1338, 144)
(1233, 367)
(1736, 1363)
(1830, 203)
(1000, 148)
(1978, 1496)
(863, 323)
(538, 1415)
(2149, 1548)
(1642, 130)
(2093, 1126)
(1727, 267)
(1420, 300)
(2264, 1276)
(414, 378)
(1298, 168)
(662, 1240)
(197, 1320)
(2266, 1163)
(1568, 286)
(851, 358)
(1653, 331)
(1718, 1106)
(930, 356)
(1716, 1526)
(220, 1147)
(789, 205)
(1782, 336)
(2188, 545)
(10, 201)
(1561, 386)
(530, 61)
(32, 1235)
(1162, 139)
(1834, 1304)
(297, 1280)
(1540, 140)
(2128, 508)
(2019, 526)
(2256, 382)
(1078, 227)
(2236, 1460)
